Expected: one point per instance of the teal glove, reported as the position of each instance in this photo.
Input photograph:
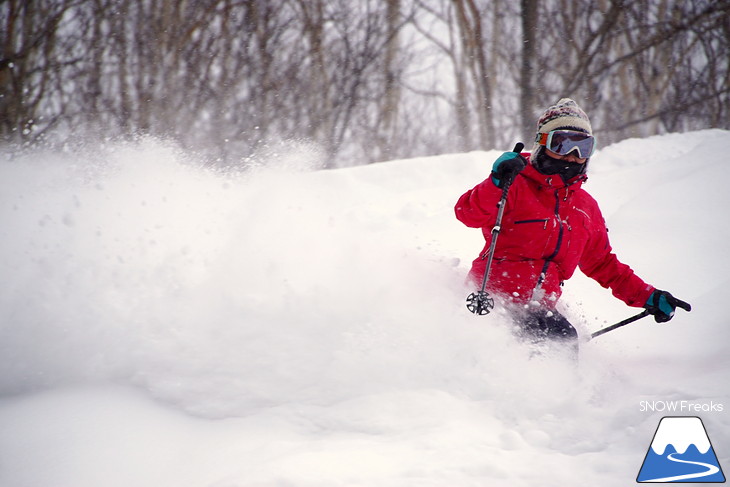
(506, 167)
(662, 305)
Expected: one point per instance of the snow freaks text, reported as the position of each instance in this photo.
(682, 406)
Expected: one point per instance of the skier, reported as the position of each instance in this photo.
(550, 226)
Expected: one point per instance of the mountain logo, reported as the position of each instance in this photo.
(680, 452)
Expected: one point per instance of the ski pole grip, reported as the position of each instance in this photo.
(518, 147)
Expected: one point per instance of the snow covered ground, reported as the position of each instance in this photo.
(167, 325)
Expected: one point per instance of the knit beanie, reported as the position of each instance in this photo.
(565, 114)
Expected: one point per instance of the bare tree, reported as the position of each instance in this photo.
(527, 75)
(33, 55)
(366, 80)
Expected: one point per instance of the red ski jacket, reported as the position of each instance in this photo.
(548, 229)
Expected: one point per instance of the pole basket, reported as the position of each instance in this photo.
(479, 303)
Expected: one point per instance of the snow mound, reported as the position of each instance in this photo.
(290, 326)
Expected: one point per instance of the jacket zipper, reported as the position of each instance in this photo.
(552, 256)
(544, 221)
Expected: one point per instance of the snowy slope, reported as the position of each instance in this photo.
(167, 325)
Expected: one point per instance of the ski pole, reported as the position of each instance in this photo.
(620, 324)
(480, 302)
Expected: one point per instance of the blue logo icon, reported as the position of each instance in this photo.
(681, 452)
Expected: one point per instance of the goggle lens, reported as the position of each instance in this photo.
(563, 142)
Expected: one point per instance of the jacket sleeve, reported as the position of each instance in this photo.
(600, 263)
(477, 208)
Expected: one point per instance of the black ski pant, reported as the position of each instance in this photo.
(540, 325)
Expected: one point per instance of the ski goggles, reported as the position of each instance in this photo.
(563, 142)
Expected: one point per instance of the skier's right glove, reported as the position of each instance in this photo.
(506, 168)
(662, 305)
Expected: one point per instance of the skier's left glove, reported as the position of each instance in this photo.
(662, 305)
